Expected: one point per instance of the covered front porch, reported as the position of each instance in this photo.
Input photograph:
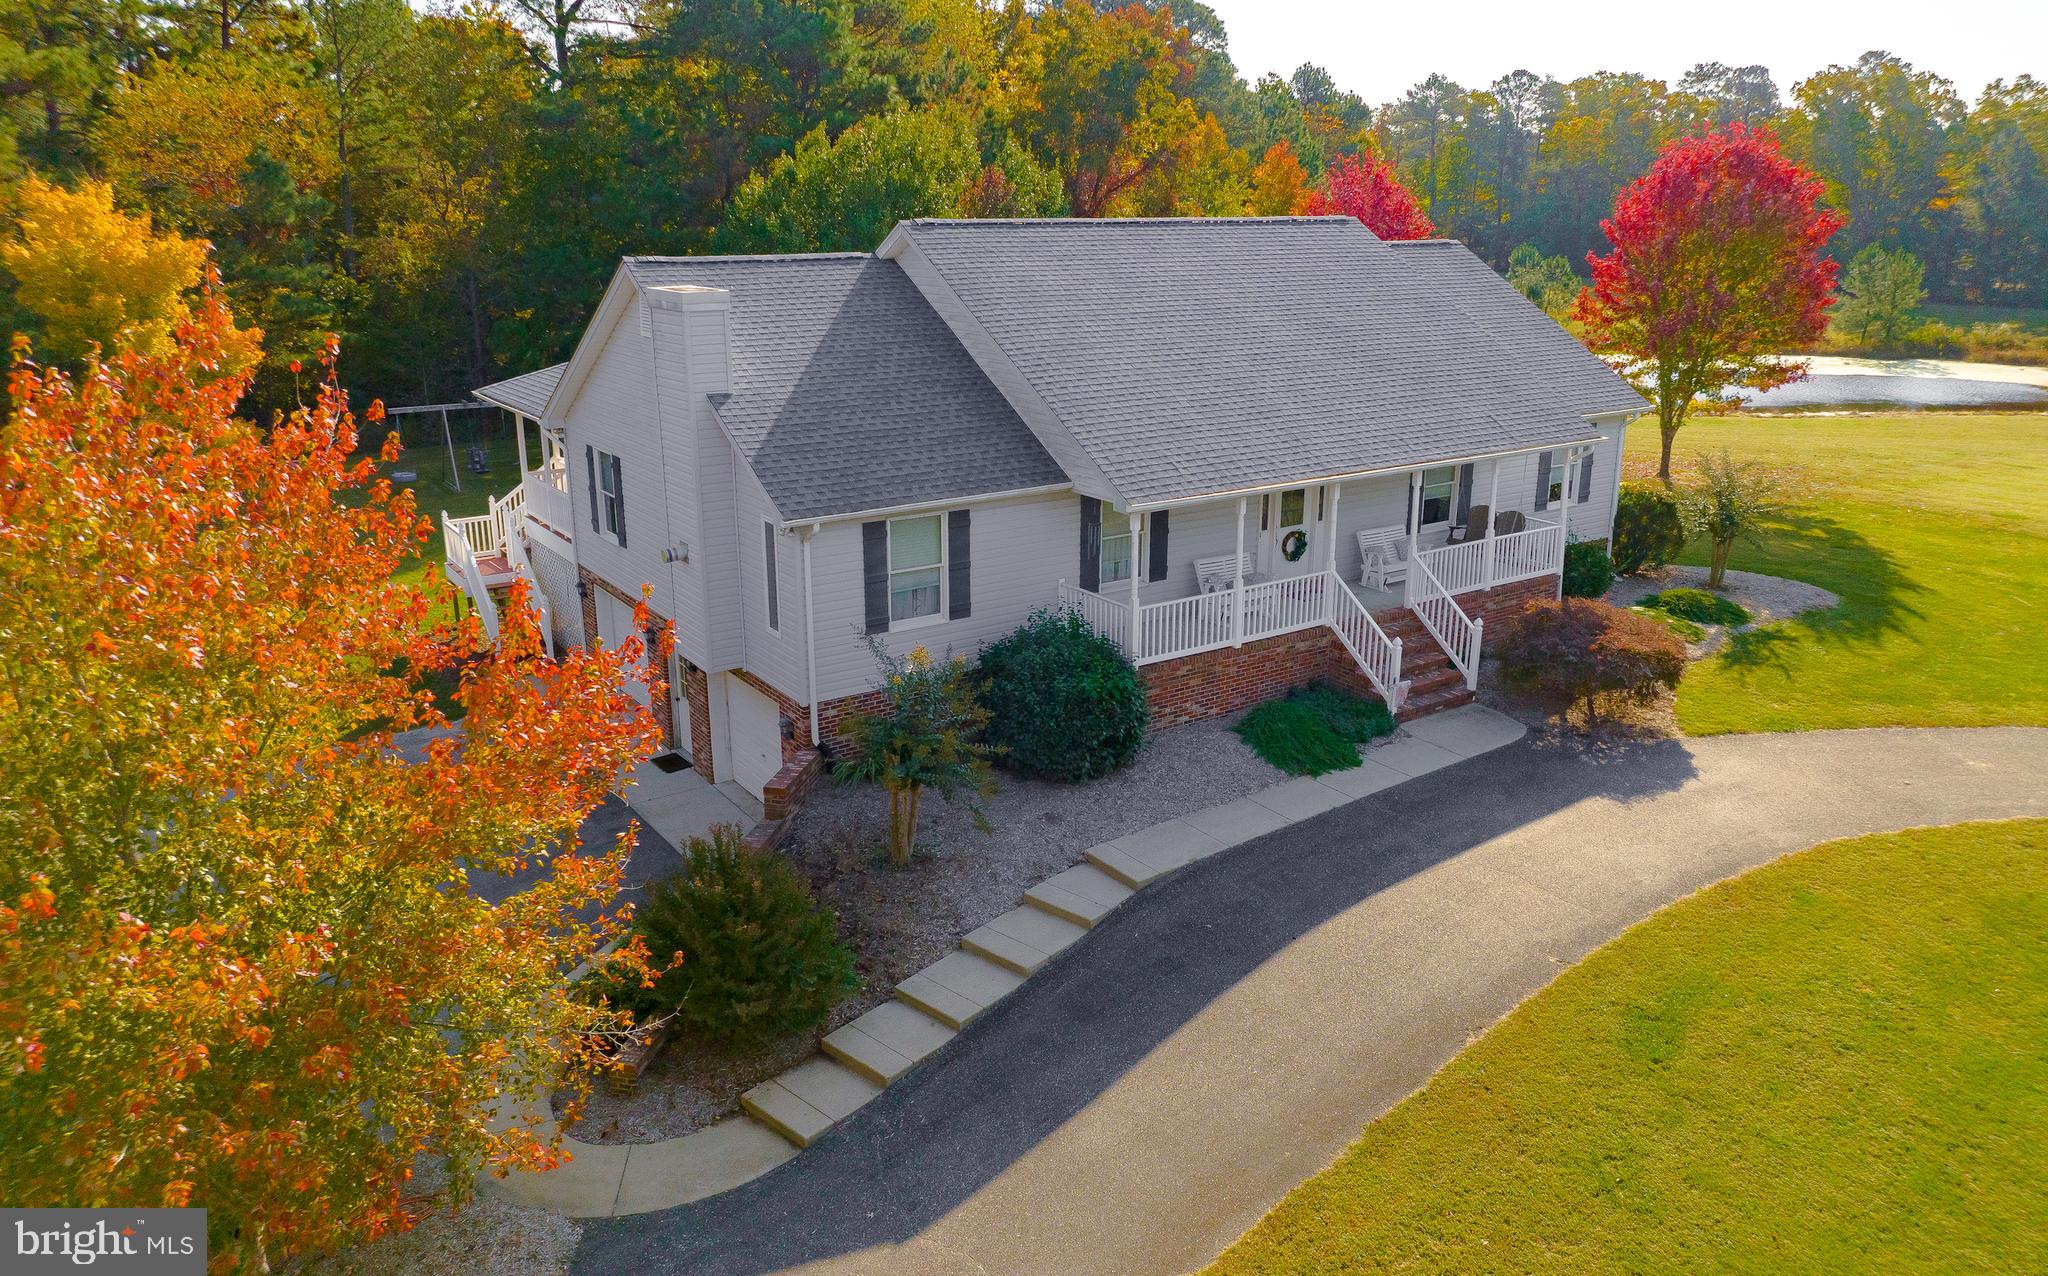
(1355, 555)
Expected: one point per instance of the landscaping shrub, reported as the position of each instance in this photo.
(1065, 704)
(1585, 652)
(1685, 629)
(1733, 500)
(1314, 730)
(1588, 571)
(759, 958)
(1699, 606)
(1648, 528)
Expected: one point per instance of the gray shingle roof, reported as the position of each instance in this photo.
(1203, 355)
(849, 393)
(526, 393)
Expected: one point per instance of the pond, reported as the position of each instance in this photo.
(1915, 383)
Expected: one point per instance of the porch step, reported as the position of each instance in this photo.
(1421, 706)
(1436, 679)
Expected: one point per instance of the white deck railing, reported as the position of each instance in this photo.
(547, 499)
(1457, 633)
(1206, 622)
(1499, 560)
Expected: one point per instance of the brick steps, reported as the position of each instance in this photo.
(1434, 683)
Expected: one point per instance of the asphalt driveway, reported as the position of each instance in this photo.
(1144, 1098)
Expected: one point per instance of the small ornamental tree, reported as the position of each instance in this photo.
(925, 735)
(1733, 501)
(1584, 652)
(238, 965)
(1718, 264)
(1365, 187)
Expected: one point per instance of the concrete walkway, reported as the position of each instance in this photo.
(1152, 1090)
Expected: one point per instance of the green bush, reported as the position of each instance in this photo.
(1588, 571)
(1066, 705)
(1648, 528)
(1314, 730)
(1698, 606)
(1684, 628)
(759, 958)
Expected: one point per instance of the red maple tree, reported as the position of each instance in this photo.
(1718, 265)
(1366, 188)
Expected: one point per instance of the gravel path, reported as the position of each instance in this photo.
(1766, 598)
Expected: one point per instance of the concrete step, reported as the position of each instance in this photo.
(809, 1099)
(885, 1042)
(957, 987)
(1083, 895)
(1022, 939)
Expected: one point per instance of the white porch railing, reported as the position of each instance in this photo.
(1206, 622)
(1106, 616)
(1457, 633)
(1499, 560)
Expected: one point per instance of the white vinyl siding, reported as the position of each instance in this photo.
(1022, 549)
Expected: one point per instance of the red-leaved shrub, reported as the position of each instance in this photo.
(1577, 651)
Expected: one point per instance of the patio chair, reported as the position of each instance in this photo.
(1473, 529)
(1508, 522)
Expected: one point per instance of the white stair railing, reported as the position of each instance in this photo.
(1377, 654)
(1457, 633)
(515, 550)
(463, 567)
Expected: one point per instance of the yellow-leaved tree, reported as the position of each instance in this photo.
(91, 274)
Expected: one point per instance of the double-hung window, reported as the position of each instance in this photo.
(1554, 494)
(611, 494)
(1439, 494)
(1121, 551)
(917, 568)
(773, 588)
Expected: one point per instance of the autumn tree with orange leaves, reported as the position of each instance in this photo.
(239, 967)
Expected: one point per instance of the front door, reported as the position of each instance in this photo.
(1294, 529)
(679, 701)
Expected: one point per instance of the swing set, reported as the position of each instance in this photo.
(478, 457)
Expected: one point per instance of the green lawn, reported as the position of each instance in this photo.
(2033, 319)
(1837, 1062)
(1934, 530)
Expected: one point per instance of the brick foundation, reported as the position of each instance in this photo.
(1496, 605)
(1212, 683)
(696, 687)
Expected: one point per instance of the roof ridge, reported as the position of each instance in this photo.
(763, 257)
(1239, 220)
(1434, 241)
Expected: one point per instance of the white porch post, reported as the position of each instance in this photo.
(1330, 526)
(1237, 583)
(1414, 534)
(1137, 620)
(1492, 513)
(519, 428)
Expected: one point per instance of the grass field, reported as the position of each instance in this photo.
(1838, 1062)
(1934, 530)
(2033, 319)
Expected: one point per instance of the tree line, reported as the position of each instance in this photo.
(448, 190)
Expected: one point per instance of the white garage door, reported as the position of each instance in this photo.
(756, 736)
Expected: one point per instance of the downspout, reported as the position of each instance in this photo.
(810, 637)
